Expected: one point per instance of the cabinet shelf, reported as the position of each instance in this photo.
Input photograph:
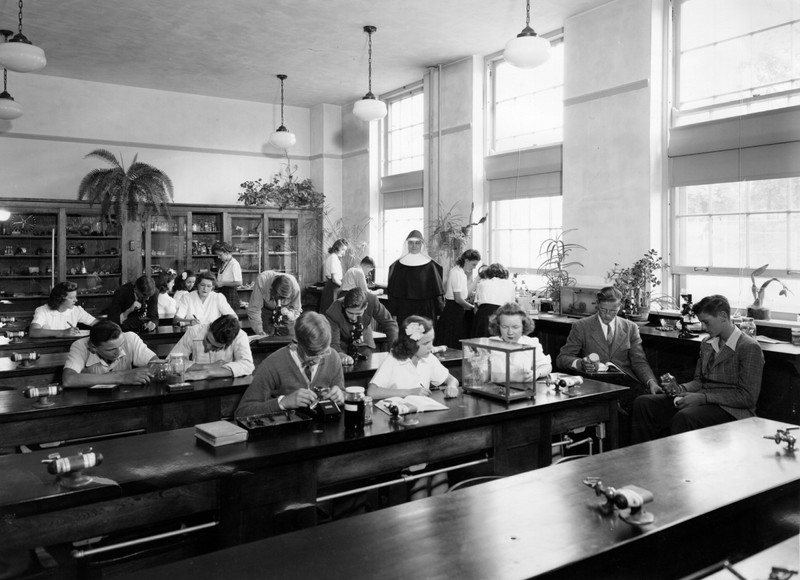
(27, 256)
(79, 237)
(25, 237)
(84, 256)
(91, 274)
(282, 253)
(26, 277)
(246, 236)
(214, 233)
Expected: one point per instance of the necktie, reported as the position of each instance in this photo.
(610, 336)
(308, 370)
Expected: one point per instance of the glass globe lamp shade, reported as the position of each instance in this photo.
(527, 50)
(9, 108)
(282, 138)
(369, 109)
(21, 56)
(4, 215)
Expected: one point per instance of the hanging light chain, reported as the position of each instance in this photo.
(282, 77)
(20, 16)
(527, 12)
(5, 80)
(370, 58)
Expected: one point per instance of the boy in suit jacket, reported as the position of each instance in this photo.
(725, 387)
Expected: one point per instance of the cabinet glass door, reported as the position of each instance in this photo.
(206, 230)
(167, 247)
(93, 254)
(282, 245)
(28, 254)
(247, 240)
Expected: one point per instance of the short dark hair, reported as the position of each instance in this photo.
(482, 272)
(354, 298)
(468, 256)
(145, 285)
(609, 294)
(225, 329)
(313, 332)
(281, 287)
(510, 309)
(337, 246)
(162, 282)
(205, 276)
(404, 347)
(104, 331)
(59, 293)
(221, 247)
(496, 270)
(713, 305)
(367, 261)
(180, 281)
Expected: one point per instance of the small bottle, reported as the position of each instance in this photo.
(354, 409)
(177, 368)
(367, 410)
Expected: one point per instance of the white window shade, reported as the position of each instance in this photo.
(530, 173)
(402, 190)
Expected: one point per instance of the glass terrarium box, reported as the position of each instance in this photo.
(578, 301)
(498, 369)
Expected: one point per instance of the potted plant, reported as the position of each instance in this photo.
(282, 191)
(636, 283)
(450, 235)
(139, 190)
(757, 310)
(555, 252)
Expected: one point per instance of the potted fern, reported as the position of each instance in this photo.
(138, 191)
(450, 235)
(757, 310)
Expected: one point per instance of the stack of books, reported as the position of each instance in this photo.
(219, 433)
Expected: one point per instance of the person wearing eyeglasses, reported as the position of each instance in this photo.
(291, 377)
(219, 349)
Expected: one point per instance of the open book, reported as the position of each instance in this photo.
(410, 404)
(608, 367)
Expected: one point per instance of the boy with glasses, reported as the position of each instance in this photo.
(219, 349)
(287, 379)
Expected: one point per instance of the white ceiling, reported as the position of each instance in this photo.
(234, 48)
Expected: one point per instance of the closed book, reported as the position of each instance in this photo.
(219, 433)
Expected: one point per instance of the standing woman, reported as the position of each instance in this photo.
(332, 274)
(229, 274)
(490, 294)
(452, 324)
(415, 282)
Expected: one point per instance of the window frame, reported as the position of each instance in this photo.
(391, 98)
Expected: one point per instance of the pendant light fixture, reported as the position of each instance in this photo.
(282, 138)
(527, 50)
(9, 108)
(369, 108)
(19, 55)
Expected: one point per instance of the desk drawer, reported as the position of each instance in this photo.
(580, 416)
(372, 462)
(75, 426)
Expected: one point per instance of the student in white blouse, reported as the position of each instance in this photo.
(512, 324)
(183, 285)
(167, 307)
(332, 274)
(61, 315)
(203, 305)
(491, 293)
(229, 274)
(452, 324)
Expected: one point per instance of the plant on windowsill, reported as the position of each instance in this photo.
(636, 284)
(282, 191)
(757, 310)
(554, 267)
(450, 235)
(123, 194)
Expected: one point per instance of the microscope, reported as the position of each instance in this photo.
(280, 324)
(687, 317)
(356, 340)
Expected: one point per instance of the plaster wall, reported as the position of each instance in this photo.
(207, 146)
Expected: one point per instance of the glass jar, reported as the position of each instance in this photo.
(748, 326)
(354, 409)
(368, 410)
(159, 370)
(177, 368)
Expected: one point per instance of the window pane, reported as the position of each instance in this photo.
(518, 228)
(404, 139)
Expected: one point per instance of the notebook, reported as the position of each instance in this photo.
(219, 433)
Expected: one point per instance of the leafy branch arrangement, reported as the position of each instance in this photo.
(282, 191)
(635, 282)
(450, 235)
(554, 267)
(758, 292)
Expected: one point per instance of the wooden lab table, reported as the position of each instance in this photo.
(271, 482)
(716, 490)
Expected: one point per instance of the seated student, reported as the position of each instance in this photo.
(219, 349)
(202, 305)
(60, 316)
(183, 285)
(357, 276)
(288, 377)
(107, 355)
(725, 387)
(167, 307)
(411, 369)
(351, 318)
(274, 290)
(513, 325)
(134, 305)
(490, 293)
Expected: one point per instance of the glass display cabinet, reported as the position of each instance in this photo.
(29, 254)
(164, 244)
(247, 240)
(206, 231)
(498, 369)
(282, 245)
(93, 254)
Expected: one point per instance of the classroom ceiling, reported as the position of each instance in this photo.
(234, 48)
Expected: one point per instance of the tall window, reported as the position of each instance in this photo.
(519, 226)
(405, 146)
(735, 57)
(526, 105)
